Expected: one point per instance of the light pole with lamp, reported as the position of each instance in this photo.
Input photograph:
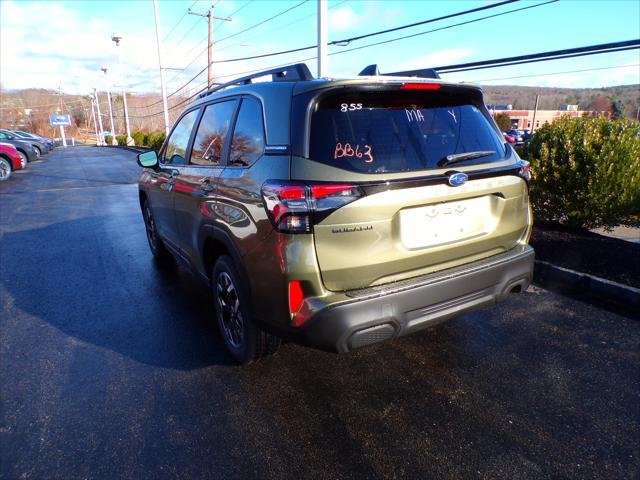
(105, 69)
(117, 38)
(100, 139)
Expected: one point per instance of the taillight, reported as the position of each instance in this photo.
(294, 207)
(525, 171)
(420, 86)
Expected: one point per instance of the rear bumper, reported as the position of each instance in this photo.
(386, 312)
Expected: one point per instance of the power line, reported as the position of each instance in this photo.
(543, 56)
(337, 42)
(374, 33)
(263, 21)
(200, 43)
(242, 31)
(346, 41)
(281, 27)
(556, 73)
(445, 17)
(173, 47)
(178, 22)
(241, 7)
(442, 28)
(589, 50)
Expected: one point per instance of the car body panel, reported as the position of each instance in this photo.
(9, 152)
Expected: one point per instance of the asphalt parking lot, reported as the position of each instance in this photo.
(111, 367)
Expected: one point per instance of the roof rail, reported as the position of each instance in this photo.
(289, 73)
(372, 70)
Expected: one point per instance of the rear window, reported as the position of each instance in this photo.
(373, 132)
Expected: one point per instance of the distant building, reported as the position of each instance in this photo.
(565, 107)
(523, 119)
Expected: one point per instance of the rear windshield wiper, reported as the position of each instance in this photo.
(459, 157)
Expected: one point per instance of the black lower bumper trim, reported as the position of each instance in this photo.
(389, 314)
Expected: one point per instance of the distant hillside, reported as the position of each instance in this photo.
(552, 98)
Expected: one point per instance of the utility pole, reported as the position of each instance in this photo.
(535, 110)
(95, 125)
(64, 139)
(117, 39)
(105, 69)
(162, 87)
(210, 17)
(323, 36)
(99, 115)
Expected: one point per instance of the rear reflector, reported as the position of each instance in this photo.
(420, 86)
(295, 296)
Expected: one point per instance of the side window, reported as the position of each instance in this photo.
(176, 151)
(3, 135)
(247, 144)
(213, 129)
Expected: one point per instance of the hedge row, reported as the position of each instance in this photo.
(586, 172)
(152, 140)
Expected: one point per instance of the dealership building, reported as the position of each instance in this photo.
(524, 119)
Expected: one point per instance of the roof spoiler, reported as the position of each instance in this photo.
(372, 70)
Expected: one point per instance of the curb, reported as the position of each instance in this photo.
(564, 280)
(126, 147)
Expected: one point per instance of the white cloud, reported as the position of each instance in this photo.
(70, 50)
(344, 18)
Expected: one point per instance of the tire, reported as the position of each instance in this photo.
(244, 340)
(38, 152)
(156, 246)
(5, 169)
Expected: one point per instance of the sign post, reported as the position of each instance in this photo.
(60, 120)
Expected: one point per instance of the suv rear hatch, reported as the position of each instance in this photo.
(390, 144)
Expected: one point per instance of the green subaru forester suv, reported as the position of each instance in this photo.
(339, 213)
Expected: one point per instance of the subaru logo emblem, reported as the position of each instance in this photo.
(457, 179)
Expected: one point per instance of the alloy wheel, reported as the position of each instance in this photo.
(5, 169)
(229, 310)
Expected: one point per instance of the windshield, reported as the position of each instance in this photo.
(397, 131)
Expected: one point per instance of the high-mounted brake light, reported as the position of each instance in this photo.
(420, 86)
(294, 207)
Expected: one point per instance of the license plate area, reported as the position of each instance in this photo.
(445, 223)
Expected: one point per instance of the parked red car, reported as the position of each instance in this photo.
(10, 160)
(509, 138)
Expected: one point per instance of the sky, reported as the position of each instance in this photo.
(64, 44)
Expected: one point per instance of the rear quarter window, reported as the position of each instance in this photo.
(397, 131)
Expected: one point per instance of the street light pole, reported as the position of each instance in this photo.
(162, 87)
(117, 38)
(210, 17)
(101, 139)
(113, 130)
(323, 36)
(93, 117)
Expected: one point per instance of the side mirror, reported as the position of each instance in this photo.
(148, 159)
